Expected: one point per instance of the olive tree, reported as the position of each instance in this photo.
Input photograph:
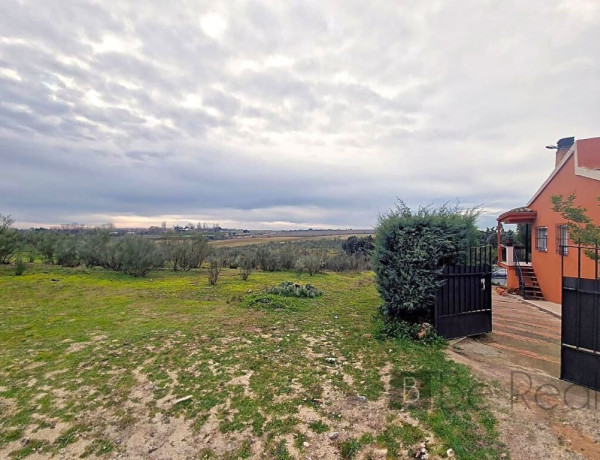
(185, 254)
(134, 255)
(9, 239)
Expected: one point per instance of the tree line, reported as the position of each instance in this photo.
(136, 255)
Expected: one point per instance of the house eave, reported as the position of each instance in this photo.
(572, 151)
(517, 217)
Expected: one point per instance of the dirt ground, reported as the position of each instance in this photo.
(539, 415)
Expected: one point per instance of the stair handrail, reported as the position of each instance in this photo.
(520, 275)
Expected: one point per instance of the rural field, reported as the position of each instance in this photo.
(95, 363)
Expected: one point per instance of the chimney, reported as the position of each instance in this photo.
(563, 145)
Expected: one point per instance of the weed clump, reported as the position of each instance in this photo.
(289, 289)
(418, 332)
(20, 266)
(268, 301)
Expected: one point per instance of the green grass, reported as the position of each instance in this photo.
(101, 353)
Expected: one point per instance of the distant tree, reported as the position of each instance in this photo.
(9, 239)
(288, 254)
(46, 245)
(361, 246)
(267, 259)
(133, 255)
(245, 265)
(93, 247)
(214, 270)
(312, 263)
(66, 250)
(187, 254)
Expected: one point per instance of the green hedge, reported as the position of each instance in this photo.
(410, 248)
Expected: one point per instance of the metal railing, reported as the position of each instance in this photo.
(523, 253)
(520, 275)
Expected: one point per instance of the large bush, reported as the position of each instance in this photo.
(66, 249)
(93, 247)
(187, 254)
(410, 250)
(356, 245)
(134, 255)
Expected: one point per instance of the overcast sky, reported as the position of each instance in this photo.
(286, 114)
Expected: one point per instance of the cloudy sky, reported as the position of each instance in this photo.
(286, 114)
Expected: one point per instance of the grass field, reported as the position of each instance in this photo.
(95, 363)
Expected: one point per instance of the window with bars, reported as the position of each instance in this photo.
(562, 239)
(541, 239)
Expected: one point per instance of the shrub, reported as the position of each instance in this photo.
(312, 263)
(288, 253)
(423, 332)
(267, 259)
(245, 265)
(362, 246)
(20, 266)
(299, 267)
(269, 302)
(349, 448)
(133, 255)
(410, 248)
(46, 245)
(92, 248)
(187, 254)
(289, 289)
(214, 270)
(66, 251)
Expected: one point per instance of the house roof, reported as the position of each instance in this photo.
(586, 153)
(518, 216)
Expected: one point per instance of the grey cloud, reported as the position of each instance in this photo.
(429, 102)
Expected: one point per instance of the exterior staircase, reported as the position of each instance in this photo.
(530, 286)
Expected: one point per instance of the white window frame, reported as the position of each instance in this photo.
(541, 239)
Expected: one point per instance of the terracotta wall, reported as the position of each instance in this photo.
(547, 265)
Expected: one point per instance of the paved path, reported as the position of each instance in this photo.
(523, 336)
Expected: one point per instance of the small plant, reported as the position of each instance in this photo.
(289, 289)
(20, 266)
(319, 427)
(214, 270)
(349, 448)
(421, 332)
(268, 301)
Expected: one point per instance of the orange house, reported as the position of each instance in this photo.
(538, 266)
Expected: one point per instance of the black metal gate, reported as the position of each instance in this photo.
(580, 328)
(463, 304)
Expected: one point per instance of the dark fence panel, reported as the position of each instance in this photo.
(464, 302)
(580, 328)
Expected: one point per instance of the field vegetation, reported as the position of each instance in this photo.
(261, 351)
(99, 363)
